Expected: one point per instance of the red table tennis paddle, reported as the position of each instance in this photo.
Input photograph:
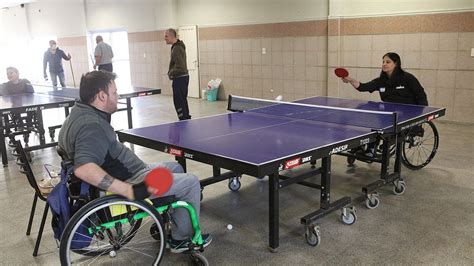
(160, 180)
(341, 72)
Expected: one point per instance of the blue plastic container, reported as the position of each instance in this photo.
(211, 95)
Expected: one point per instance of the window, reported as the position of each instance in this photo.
(121, 61)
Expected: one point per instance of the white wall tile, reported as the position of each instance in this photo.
(429, 41)
(448, 41)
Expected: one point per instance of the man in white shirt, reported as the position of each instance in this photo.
(103, 55)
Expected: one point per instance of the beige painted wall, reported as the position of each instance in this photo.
(434, 47)
(133, 16)
(55, 18)
(231, 12)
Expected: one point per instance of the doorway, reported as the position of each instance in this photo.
(189, 35)
(118, 39)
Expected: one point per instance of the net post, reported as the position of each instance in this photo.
(395, 122)
(395, 130)
(229, 103)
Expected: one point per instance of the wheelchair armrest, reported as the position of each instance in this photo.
(67, 163)
(62, 153)
(162, 201)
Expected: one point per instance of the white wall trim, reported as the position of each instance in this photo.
(460, 10)
(256, 23)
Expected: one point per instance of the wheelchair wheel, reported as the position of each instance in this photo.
(113, 230)
(420, 146)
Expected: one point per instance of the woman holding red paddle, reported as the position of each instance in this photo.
(394, 84)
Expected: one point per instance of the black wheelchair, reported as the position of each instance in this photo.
(111, 229)
(419, 147)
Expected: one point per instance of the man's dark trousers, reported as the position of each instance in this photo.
(180, 95)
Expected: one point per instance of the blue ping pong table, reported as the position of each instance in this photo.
(260, 140)
(13, 108)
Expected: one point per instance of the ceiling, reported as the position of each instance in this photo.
(11, 3)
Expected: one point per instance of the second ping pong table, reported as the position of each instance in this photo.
(45, 98)
(265, 138)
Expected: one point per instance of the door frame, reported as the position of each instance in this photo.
(194, 76)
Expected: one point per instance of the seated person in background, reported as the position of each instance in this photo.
(15, 85)
(102, 161)
(394, 84)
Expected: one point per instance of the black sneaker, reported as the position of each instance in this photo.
(369, 154)
(180, 246)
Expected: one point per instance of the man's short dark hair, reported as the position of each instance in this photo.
(93, 82)
(172, 31)
(12, 68)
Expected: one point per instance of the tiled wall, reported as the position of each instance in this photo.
(79, 64)
(300, 57)
(435, 48)
(294, 63)
(149, 59)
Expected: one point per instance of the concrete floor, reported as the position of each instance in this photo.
(432, 223)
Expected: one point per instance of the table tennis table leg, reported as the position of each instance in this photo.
(182, 162)
(129, 113)
(386, 175)
(41, 131)
(325, 205)
(325, 198)
(398, 154)
(216, 171)
(3, 147)
(274, 212)
(385, 158)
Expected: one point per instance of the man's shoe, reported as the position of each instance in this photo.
(180, 246)
(369, 154)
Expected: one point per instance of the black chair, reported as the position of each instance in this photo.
(41, 193)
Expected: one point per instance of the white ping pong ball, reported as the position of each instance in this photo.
(229, 227)
(279, 98)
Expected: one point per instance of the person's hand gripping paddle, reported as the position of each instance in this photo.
(159, 181)
(341, 72)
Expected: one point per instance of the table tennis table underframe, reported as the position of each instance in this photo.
(277, 181)
(272, 169)
(6, 126)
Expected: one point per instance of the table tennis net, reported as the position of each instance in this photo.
(297, 111)
(66, 92)
(57, 91)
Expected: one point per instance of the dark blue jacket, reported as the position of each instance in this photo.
(54, 60)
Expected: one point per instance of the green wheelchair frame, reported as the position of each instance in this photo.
(136, 212)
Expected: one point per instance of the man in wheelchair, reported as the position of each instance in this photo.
(101, 160)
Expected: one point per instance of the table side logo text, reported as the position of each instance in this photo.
(292, 163)
(338, 149)
(174, 151)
